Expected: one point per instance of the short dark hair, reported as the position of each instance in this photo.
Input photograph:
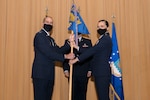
(106, 22)
(46, 17)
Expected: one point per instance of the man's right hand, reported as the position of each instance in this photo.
(69, 56)
(66, 74)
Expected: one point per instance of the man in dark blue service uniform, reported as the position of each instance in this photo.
(81, 71)
(46, 53)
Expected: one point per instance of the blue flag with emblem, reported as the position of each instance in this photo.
(76, 22)
(116, 78)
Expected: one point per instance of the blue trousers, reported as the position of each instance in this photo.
(43, 89)
(102, 87)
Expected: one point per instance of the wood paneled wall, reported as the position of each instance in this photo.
(21, 19)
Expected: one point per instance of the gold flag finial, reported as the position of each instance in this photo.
(113, 17)
(46, 11)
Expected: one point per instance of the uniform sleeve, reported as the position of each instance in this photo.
(65, 48)
(42, 44)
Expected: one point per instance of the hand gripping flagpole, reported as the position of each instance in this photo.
(71, 70)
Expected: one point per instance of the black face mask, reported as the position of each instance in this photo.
(101, 31)
(47, 27)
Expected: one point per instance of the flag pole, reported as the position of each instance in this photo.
(116, 95)
(46, 12)
(111, 87)
(114, 92)
(71, 69)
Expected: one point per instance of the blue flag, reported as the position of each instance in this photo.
(76, 22)
(116, 78)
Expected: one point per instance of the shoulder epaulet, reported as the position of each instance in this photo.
(40, 31)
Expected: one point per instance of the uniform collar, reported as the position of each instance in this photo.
(46, 32)
(80, 38)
